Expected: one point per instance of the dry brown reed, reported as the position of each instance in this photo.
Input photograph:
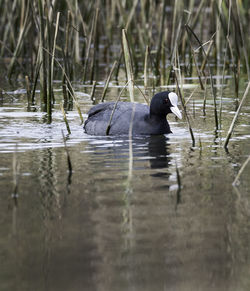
(33, 36)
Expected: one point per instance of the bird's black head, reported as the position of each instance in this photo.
(163, 103)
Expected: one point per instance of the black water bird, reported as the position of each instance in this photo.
(145, 120)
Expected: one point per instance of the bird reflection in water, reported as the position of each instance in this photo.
(159, 155)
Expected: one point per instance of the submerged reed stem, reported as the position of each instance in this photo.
(16, 174)
(68, 156)
(65, 119)
(28, 91)
(50, 81)
(241, 171)
(178, 193)
(230, 131)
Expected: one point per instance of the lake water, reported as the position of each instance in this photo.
(123, 220)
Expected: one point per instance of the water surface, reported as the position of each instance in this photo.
(122, 221)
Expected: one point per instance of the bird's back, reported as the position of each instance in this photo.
(99, 118)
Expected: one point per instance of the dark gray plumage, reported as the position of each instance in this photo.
(146, 120)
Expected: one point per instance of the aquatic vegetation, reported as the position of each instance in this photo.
(153, 212)
(157, 42)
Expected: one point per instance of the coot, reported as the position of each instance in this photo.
(145, 120)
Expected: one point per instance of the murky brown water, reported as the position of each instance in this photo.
(121, 222)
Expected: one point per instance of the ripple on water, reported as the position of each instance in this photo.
(123, 216)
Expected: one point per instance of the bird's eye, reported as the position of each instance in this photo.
(166, 101)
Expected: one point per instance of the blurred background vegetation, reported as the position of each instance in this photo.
(72, 40)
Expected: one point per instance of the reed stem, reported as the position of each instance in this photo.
(68, 157)
(128, 64)
(16, 175)
(43, 78)
(230, 131)
(108, 80)
(65, 119)
(185, 111)
(241, 171)
(28, 91)
(211, 77)
(114, 108)
(92, 94)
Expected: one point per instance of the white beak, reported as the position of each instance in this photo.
(174, 100)
(176, 111)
